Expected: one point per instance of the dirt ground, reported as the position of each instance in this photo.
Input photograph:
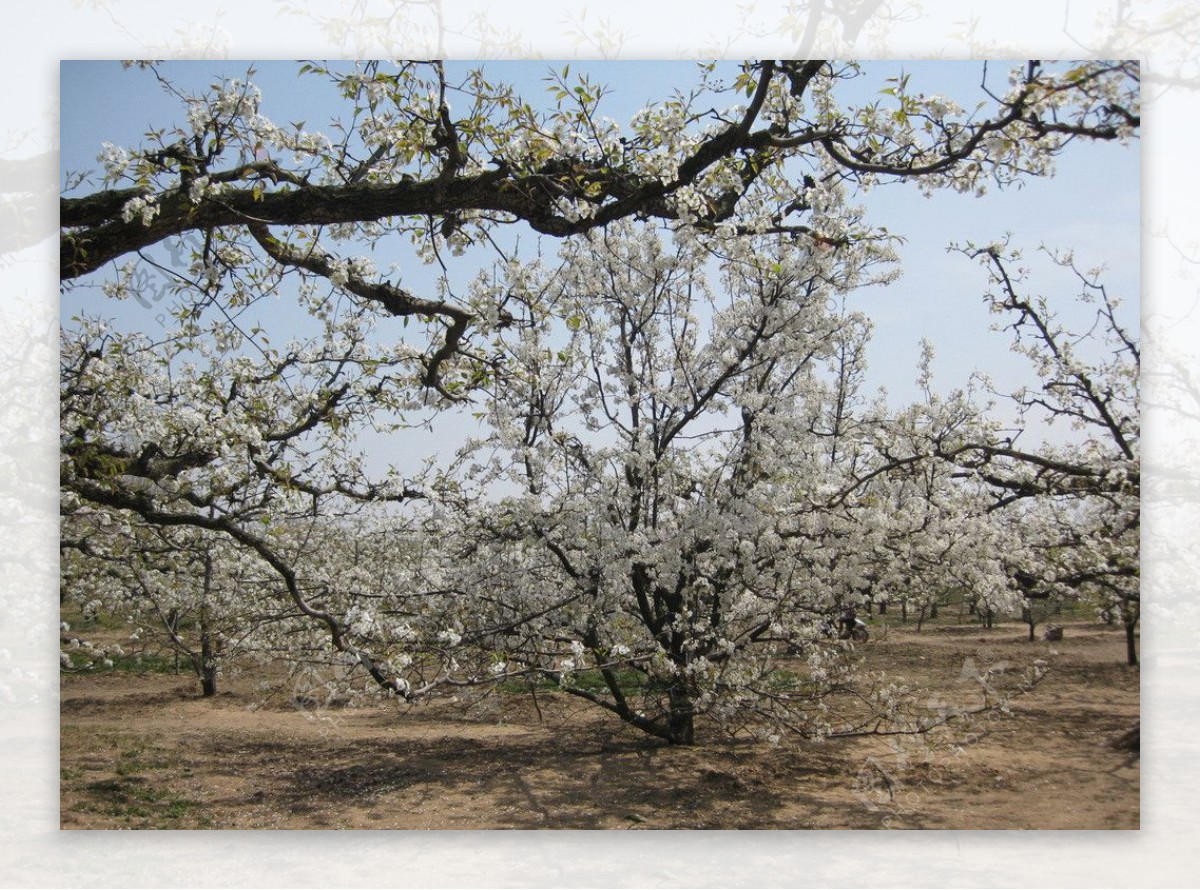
(145, 751)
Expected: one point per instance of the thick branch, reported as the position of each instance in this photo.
(394, 300)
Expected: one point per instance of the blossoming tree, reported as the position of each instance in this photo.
(697, 493)
(1083, 534)
(179, 590)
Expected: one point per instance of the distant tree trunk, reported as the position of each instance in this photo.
(207, 667)
(904, 611)
(171, 621)
(1129, 616)
(883, 607)
(1028, 617)
(933, 611)
(921, 617)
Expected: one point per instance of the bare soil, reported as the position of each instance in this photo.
(146, 751)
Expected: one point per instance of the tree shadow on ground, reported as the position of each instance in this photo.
(578, 779)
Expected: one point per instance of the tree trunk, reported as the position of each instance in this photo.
(933, 611)
(207, 668)
(681, 729)
(1131, 654)
(1027, 617)
(171, 623)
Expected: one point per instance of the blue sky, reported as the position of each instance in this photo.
(1091, 205)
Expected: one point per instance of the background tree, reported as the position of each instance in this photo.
(179, 590)
(938, 536)
(188, 432)
(1084, 534)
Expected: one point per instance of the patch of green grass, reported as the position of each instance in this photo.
(131, 798)
(132, 789)
(954, 613)
(145, 663)
(947, 616)
(73, 615)
(1079, 611)
(178, 807)
(524, 684)
(781, 680)
(628, 679)
(139, 759)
